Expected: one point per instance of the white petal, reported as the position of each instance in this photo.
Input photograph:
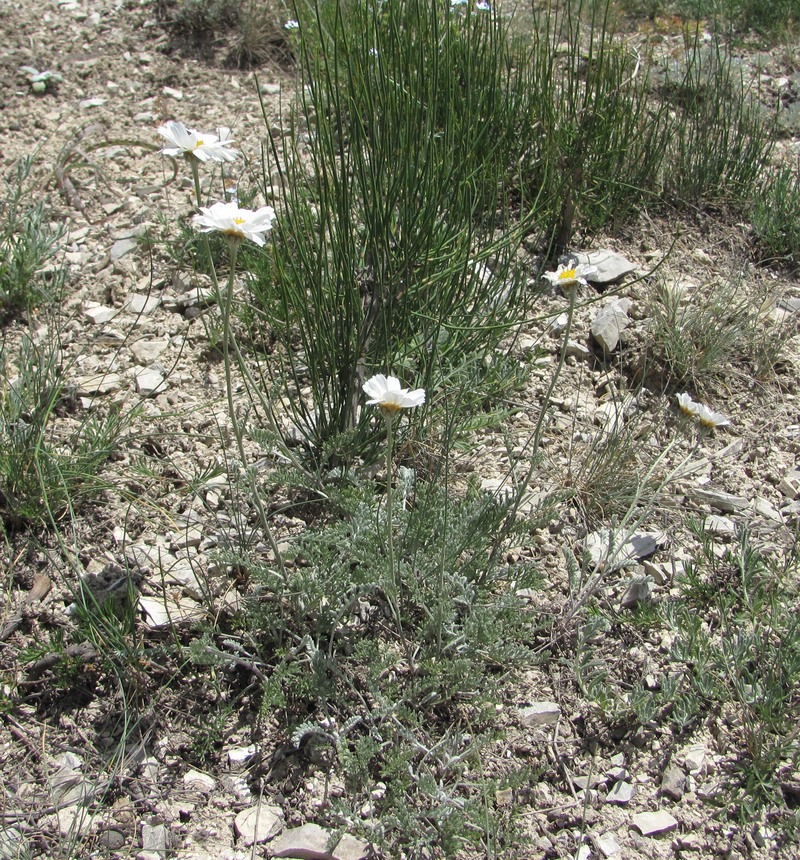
(375, 387)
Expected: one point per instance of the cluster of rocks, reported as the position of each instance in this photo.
(196, 819)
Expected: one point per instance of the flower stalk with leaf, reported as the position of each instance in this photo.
(385, 393)
(235, 225)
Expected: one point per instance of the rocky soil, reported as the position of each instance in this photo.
(132, 336)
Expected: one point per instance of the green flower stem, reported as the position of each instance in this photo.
(390, 498)
(225, 303)
(194, 164)
(198, 195)
(394, 598)
(536, 439)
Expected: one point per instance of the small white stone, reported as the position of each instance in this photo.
(558, 324)
(607, 844)
(310, 840)
(764, 508)
(621, 792)
(719, 526)
(160, 612)
(147, 351)
(241, 754)
(654, 823)
(140, 304)
(577, 350)
(694, 758)
(98, 383)
(639, 590)
(150, 381)
(199, 781)
(790, 484)
(540, 714)
(609, 324)
(100, 314)
(154, 838)
(258, 824)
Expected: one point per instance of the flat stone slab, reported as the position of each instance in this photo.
(607, 844)
(122, 247)
(621, 792)
(654, 823)
(673, 782)
(147, 351)
(100, 314)
(605, 547)
(237, 755)
(609, 324)
(160, 612)
(150, 381)
(98, 383)
(790, 484)
(141, 304)
(719, 526)
(720, 500)
(258, 824)
(610, 265)
(540, 714)
(309, 842)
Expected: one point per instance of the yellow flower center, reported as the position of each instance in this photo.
(239, 220)
(391, 408)
(567, 275)
(200, 142)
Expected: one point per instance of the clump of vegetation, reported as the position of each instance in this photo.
(28, 245)
(46, 473)
(252, 32)
(703, 333)
(363, 593)
(776, 227)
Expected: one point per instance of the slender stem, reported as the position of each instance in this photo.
(198, 194)
(194, 164)
(536, 439)
(390, 499)
(394, 598)
(225, 302)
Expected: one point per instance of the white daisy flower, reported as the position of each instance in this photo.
(483, 6)
(386, 393)
(687, 405)
(708, 418)
(291, 25)
(195, 144)
(567, 277)
(235, 223)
